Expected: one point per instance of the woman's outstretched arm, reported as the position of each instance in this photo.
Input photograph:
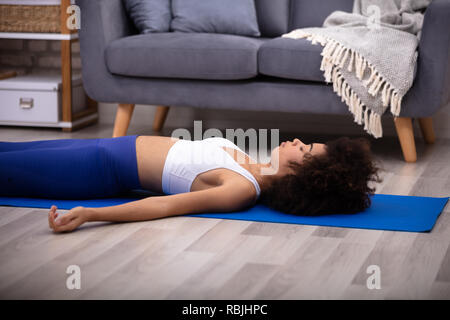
(224, 198)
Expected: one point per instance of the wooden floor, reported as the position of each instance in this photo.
(200, 258)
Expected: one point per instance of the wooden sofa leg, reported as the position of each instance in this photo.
(123, 118)
(405, 134)
(160, 117)
(426, 126)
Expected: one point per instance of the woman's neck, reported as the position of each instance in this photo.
(264, 173)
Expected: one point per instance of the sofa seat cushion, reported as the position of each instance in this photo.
(185, 56)
(296, 59)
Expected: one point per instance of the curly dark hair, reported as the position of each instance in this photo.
(335, 182)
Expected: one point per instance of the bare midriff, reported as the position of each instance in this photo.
(151, 153)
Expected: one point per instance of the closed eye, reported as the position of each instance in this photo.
(301, 148)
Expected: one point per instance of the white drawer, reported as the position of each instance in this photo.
(32, 106)
(37, 98)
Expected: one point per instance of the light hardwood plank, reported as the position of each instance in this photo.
(300, 268)
(247, 282)
(418, 271)
(210, 278)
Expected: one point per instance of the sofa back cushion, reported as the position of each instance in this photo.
(312, 13)
(273, 16)
(149, 15)
(215, 16)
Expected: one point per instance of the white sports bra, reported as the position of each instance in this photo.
(186, 159)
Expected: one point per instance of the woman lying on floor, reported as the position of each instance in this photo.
(300, 179)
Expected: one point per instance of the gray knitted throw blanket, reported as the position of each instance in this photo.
(370, 55)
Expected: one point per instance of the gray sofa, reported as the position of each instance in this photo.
(222, 71)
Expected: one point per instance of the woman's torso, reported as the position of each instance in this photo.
(152, 151)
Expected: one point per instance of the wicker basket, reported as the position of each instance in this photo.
(23, 18)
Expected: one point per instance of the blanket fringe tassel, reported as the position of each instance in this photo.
(334, 57)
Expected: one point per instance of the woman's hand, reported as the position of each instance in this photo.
(67, 221)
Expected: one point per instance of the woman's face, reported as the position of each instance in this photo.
(294, 151)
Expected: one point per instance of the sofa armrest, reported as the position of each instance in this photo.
(102, 21)
(431, 88)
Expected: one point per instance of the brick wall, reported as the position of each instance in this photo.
(35, 56)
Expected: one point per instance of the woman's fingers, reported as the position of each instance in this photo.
(57, 224)
(51, 216)
(54, 213)
(65, 219)
(66, 222)
(71, 225)
(50, 219)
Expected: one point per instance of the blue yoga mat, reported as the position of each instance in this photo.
(387, 212)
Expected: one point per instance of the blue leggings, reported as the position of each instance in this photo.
(69, 168)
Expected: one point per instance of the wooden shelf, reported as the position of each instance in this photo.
(33, 2)
(38, 36)
(65, 125)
